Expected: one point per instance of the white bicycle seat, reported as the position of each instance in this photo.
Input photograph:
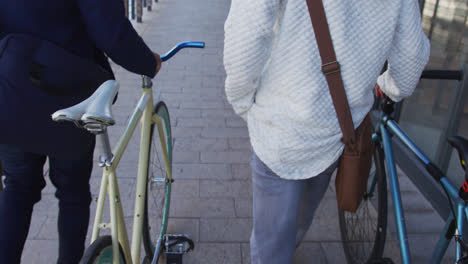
(96, 110)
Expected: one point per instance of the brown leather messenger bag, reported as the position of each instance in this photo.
(356, 159)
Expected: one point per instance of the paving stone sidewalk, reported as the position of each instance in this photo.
(212, 193)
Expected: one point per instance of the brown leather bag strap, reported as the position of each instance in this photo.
(331, 69)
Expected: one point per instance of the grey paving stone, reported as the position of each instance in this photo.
(330, 193)
(225, 229)
(236, 122)
(171, 104)
(202, 91)
(212, 123)
(224, 188)
(239, 144)
(325, 225)
(310, 252)
(40, 251)
(243, 207)
(228, 113)
(228, 105)
(214, 69)
(48, 230)
(178, 96)
(212, 63)
(200, 144)
(125, 170)
(415, 202)
(184, 113)
(241, 171)
(215, 59)
(50, 188)
(37, 223)
(202, 207)
(202, 171)
(422, 246)
(185, 188)
(224, 132)
(201, 105)
(405, 183)
(180, 82)
(48, 206)
(225, 157)
(432, 222)
(184, 132)
(334, 252)
(213, 81)
(214, 253)
(392, 250)
(245, 247)
(186, 157)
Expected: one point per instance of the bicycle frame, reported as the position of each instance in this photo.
(143, 113)
(386, 127)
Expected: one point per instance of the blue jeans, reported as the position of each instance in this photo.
(23, 184)
(282, 212)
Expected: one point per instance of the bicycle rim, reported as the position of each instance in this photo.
(363, 232)
(158, 185)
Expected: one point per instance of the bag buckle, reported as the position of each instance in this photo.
(351, 146)
(331, 67)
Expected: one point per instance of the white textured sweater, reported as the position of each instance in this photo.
(274, 77)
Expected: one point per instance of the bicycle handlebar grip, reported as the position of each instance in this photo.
(178, 47)
(442, 75)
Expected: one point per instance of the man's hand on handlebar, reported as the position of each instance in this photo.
(174, 50)
(378, 92)
(158, 62)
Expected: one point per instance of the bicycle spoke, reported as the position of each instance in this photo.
(360, 229)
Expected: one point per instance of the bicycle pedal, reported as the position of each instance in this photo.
(176, 245)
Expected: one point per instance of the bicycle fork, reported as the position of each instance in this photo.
(396, 197)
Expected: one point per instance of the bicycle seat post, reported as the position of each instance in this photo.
(103, 145)
(146, 82)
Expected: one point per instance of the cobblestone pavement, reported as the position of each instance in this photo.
(212, 193)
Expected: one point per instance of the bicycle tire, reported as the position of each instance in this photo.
(158, 186)
(362, 233)
(100, 252)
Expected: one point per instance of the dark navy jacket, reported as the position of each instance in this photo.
(90, 29)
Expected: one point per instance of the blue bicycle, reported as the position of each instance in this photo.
(363, 233)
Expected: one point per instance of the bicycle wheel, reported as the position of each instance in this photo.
(158, 185)
(100, 252)
(363, 232)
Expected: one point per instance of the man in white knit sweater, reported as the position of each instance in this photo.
(274, 81)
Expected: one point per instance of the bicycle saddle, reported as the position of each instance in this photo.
(461, 145)
(93, 112)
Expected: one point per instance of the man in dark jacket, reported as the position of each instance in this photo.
(89, 29)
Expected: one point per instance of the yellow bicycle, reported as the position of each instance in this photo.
(154, 180)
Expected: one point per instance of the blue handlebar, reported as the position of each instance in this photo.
(188, 44)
